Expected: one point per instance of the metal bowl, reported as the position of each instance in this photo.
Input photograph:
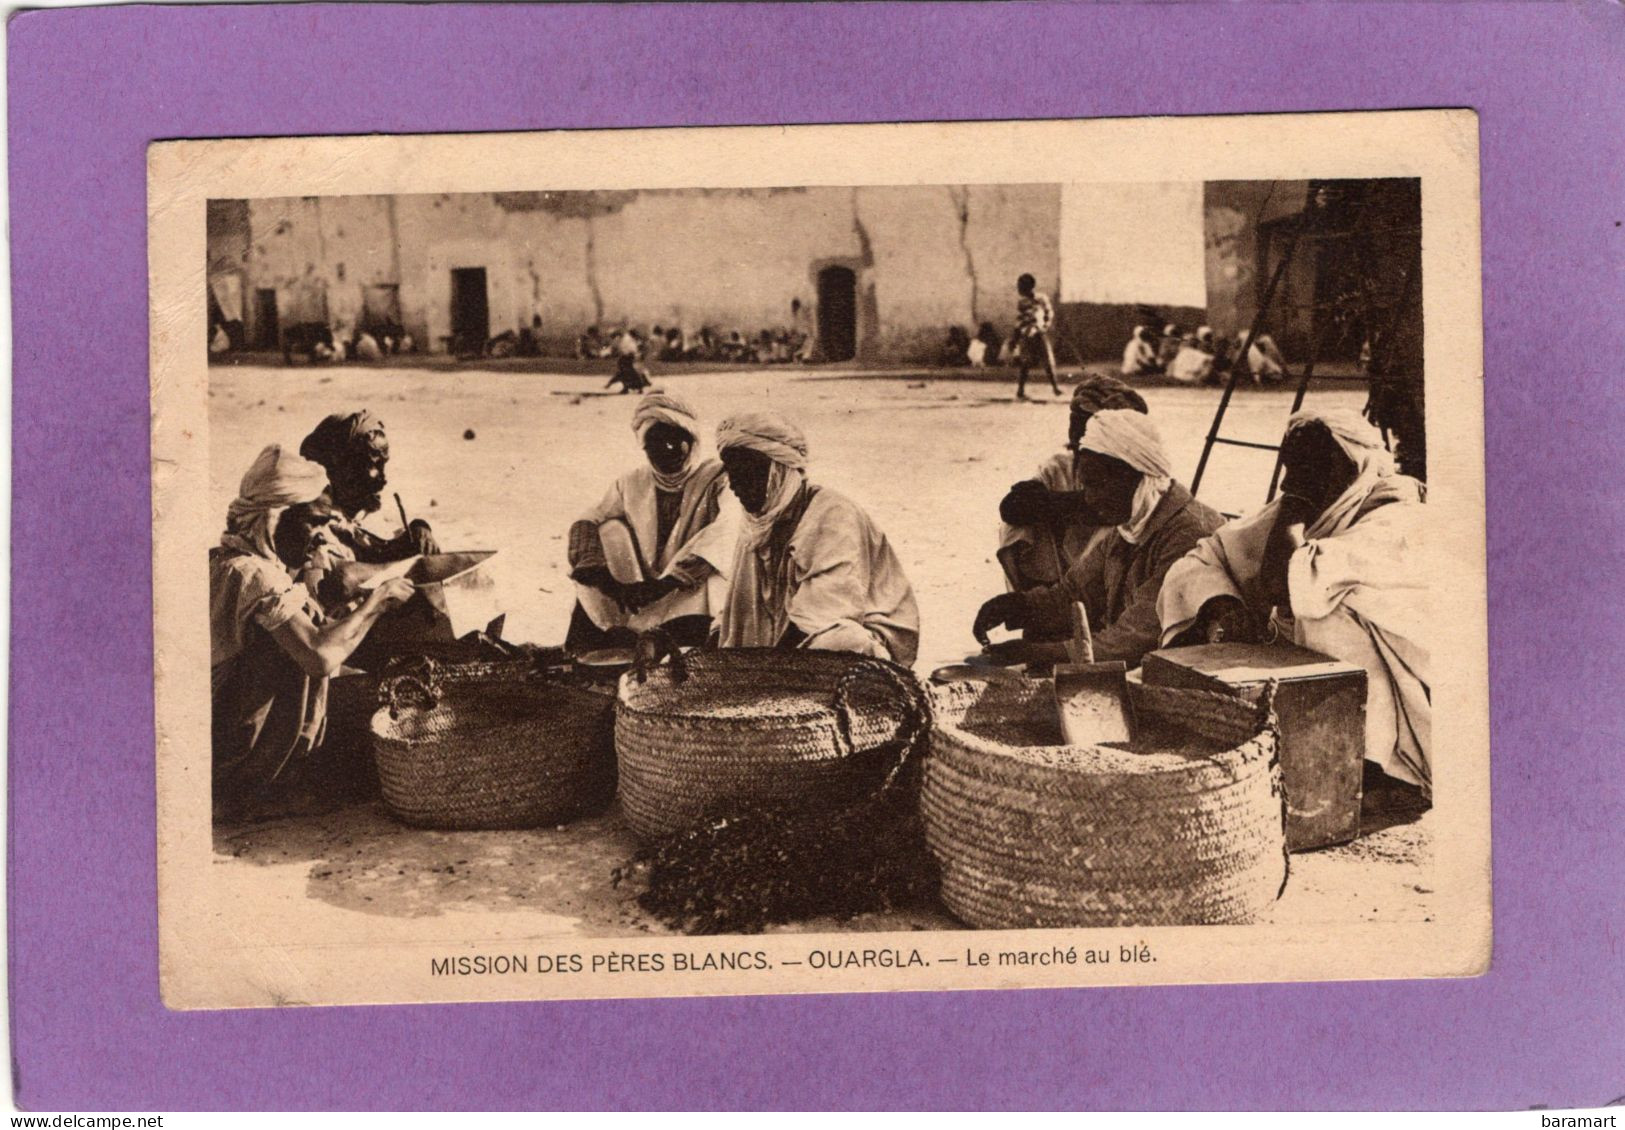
(605, 664)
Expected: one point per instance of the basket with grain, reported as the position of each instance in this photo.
(732, 729)
(1188, 827)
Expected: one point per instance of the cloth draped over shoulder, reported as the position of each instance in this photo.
(1043, 554)
(1358, 586)
(814, 559)
(699, 521)
(265, 709)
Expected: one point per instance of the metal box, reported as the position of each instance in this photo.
(1321, 705)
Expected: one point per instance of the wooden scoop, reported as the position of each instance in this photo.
(1091, 698)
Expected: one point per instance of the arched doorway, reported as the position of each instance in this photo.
(837, 313)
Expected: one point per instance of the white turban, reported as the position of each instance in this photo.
(1358, 438)
(276, 480)
(657, 406)
(1373, 463)
(768, 433)
(1130, 437)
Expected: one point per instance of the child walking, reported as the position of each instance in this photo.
(1034, 317)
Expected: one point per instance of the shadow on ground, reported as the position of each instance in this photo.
(360, 859)
(363, 860)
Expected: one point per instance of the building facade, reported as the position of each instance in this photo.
(875, 274)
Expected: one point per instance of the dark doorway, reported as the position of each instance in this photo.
(470, 314)
(837, 313)
(266, 333)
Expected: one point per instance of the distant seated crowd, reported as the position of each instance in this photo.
(1198, 357)
(776, 346)
(338, 343)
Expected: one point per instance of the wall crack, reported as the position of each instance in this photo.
(592, 274)
(961, 201)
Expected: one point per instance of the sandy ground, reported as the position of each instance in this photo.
(505, 460)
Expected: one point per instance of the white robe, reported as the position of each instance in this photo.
(1360, 595)
(840, 584)
(1190, 365)
(1139, 358)
(1265, 360)
(630, 504)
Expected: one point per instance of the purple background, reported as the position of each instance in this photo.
(90, 88)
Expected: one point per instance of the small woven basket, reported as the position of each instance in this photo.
(752, 727)
(1029, 833)
(492, 745)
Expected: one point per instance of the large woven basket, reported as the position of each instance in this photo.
(492, 745)
(753, 727)
(1029, 833)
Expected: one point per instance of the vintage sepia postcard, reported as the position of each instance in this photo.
(675, 562)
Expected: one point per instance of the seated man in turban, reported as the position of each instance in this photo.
(354, 451)
(1336, 564)
(1126, 480)
(1169, 345)
(1264, 360)
(1194, 360)
(657, 548)
(1140, 354)
(1046, 523)
(810, 568)
(271, 650)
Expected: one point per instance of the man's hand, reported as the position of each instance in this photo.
(1226, 619)
(653, 648)
(1286, 537)
(393, 592)
(1027, 504)
(1010, 653)
(421, 537)
(1008, 608)
(641, 594)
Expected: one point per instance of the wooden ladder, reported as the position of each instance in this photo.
(1305, 229)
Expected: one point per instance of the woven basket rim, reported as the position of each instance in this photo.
(1118, 761)
(951, 704)
(834, 663)
(383, 723)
